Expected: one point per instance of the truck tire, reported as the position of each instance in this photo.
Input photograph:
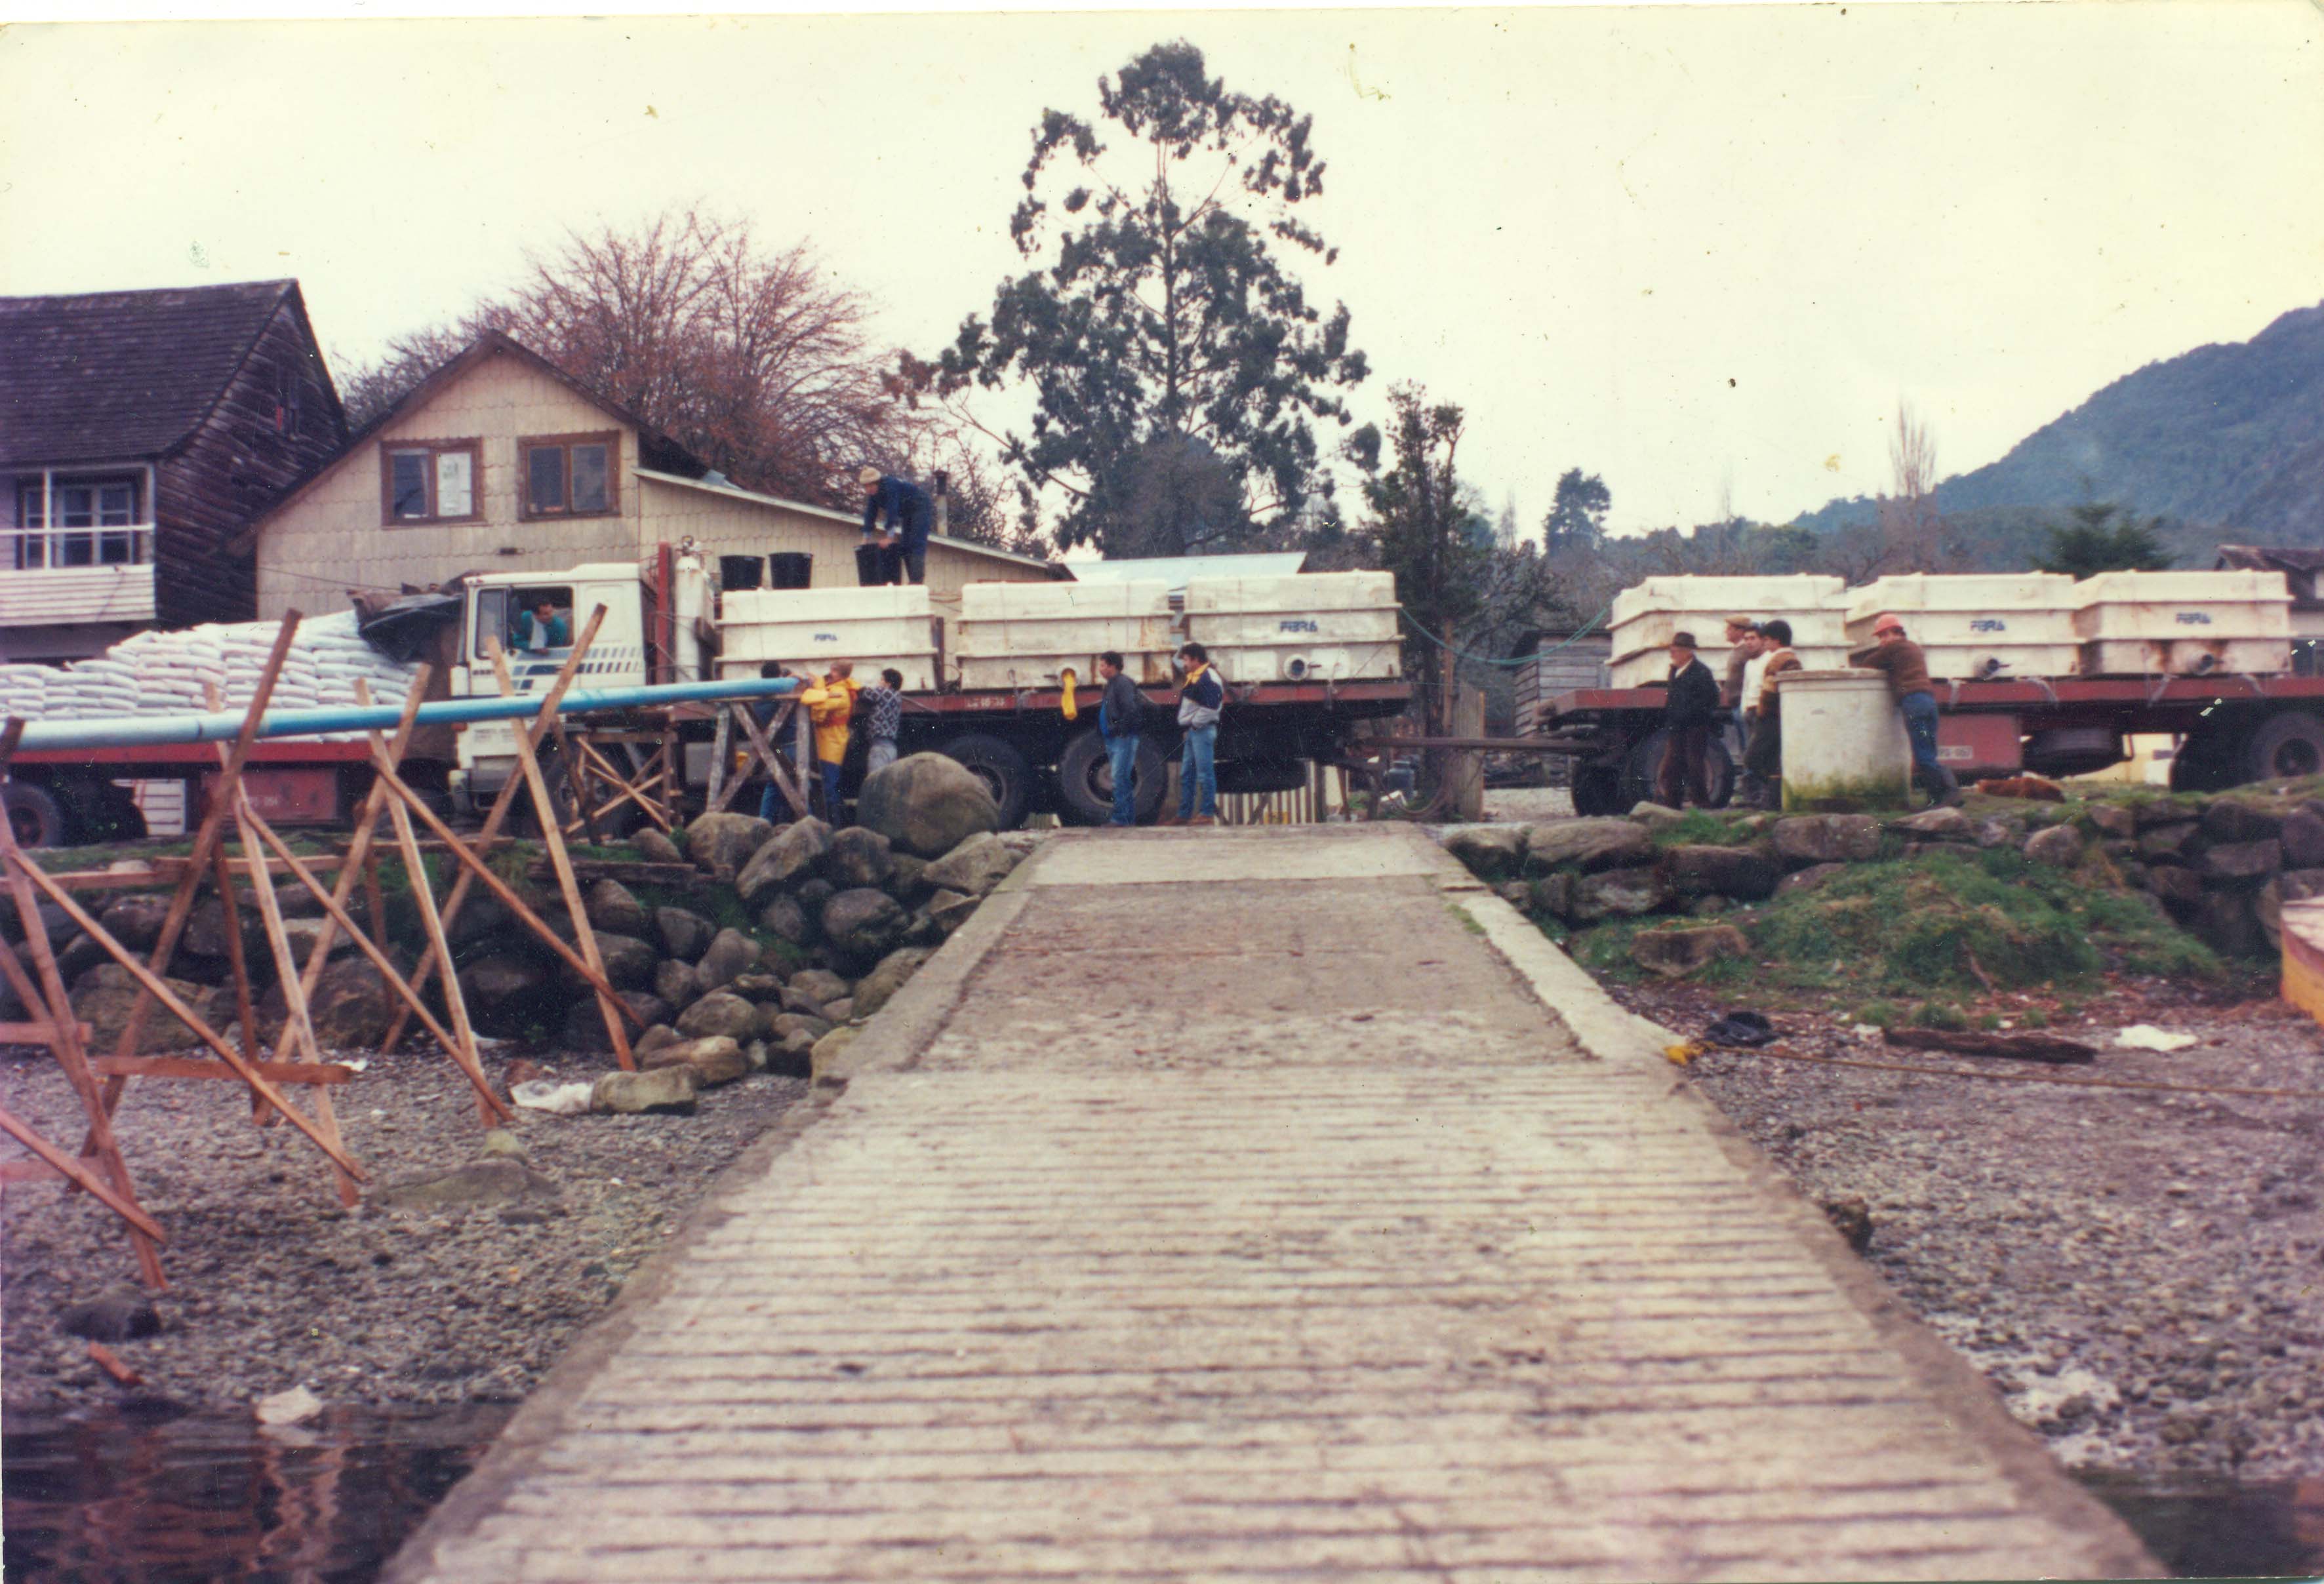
(1644, 766)
(1002, 770)
(34, 816)
(1086, 780)
(2286, 745)
(1598, 789)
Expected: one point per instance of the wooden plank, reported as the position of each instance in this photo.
(630, 872)
(716, 793)
(501, 892)
(34, 1170)
(152, 983)
(294, 995)
(159, 874)
(38, 1033)
(117, 1192)
(611, 1006)
(534, 729)
(463, 1046)
(141, 1225)
(763, 747)
(368, 946)
(308, 1073)
(1967, 1042)
(358, 861)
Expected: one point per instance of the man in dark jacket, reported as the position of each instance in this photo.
(1690, 714)
(1764, 756)
(1118, 710)
(906, 513)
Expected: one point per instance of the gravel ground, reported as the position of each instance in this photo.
(2140, 1274)
(272, 1285)
(1527, 803)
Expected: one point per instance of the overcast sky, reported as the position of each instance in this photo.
(1695, 251)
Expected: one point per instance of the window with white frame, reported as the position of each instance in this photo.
(65, 522)
(430, 480)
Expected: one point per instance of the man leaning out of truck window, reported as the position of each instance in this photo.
(541, 626)
(830, 705)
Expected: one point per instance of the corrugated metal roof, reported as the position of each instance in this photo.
(1176, 570)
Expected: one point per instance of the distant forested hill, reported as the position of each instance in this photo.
(2224, 442)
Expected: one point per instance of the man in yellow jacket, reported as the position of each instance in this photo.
(830, 705)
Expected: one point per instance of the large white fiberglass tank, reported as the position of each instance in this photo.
(1845, 751)
(806, 629)
(2184, 623)
(1299, 627)
(1977, 626)
(1646, 616)
(1028, 634)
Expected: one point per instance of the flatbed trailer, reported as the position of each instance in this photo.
(2232, 728)
(1019, 741)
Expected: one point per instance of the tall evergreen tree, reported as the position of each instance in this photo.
(1177, 367)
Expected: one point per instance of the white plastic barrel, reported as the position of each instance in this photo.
(1845, 751)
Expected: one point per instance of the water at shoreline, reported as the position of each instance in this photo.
(163, 1497)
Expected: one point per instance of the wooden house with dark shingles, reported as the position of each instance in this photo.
(139, 432)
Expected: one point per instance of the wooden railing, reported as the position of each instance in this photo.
(55, 576)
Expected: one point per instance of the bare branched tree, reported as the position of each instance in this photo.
(1914, 536)
(755, 359)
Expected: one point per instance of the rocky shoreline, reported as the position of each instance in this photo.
(2139, 1272)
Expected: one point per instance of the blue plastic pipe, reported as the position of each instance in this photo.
(224, 726)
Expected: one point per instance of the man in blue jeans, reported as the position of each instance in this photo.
(1118, 710)
(1202, 699)
(1901, 660)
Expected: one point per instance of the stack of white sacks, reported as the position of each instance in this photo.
(167, 673)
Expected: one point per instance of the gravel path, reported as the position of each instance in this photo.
(2140, 1274)
(273, 1285)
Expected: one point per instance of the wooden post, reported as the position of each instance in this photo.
(286, 971)
(463, 1049)
(538, 727)
(222, 878)
(716, 792)
(465, 1056)
(608, 1003)
(576, 780)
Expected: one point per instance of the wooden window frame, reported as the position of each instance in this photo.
(388, 450)
(525, 446)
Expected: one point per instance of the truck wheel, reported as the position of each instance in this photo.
(1085, 782)
(1598, 789)
(1003, 771)
(34, 816)
(2286, 745)
(1644, 767)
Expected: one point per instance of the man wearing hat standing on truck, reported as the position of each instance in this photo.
(1690, 712)
(1900, 660)
(906, 512)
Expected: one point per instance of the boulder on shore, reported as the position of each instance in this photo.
(662, 1089)
(1492, 853)
(796, 852)
(731, 955)
(722, 1012)
(1741, 872)
(715, 1060)
(1827, 838)
(927, 804)
(1589, 842)
(720, 844)
(880, 985)
(612, 906)
(584, 1020)
(1627, 893)
(685, 934)
(1676, 952)
(863, 924)
(973, 868)
(858, 857)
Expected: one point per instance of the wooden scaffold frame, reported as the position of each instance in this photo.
(100, 1167)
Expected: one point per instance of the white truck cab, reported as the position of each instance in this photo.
(535, 616)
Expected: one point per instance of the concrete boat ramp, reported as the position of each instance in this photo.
(1259, 1205)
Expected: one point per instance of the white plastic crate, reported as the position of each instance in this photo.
(1979, 625)
(806, 629)
(2184, 623)
(1027, 634)
(1304, 627)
